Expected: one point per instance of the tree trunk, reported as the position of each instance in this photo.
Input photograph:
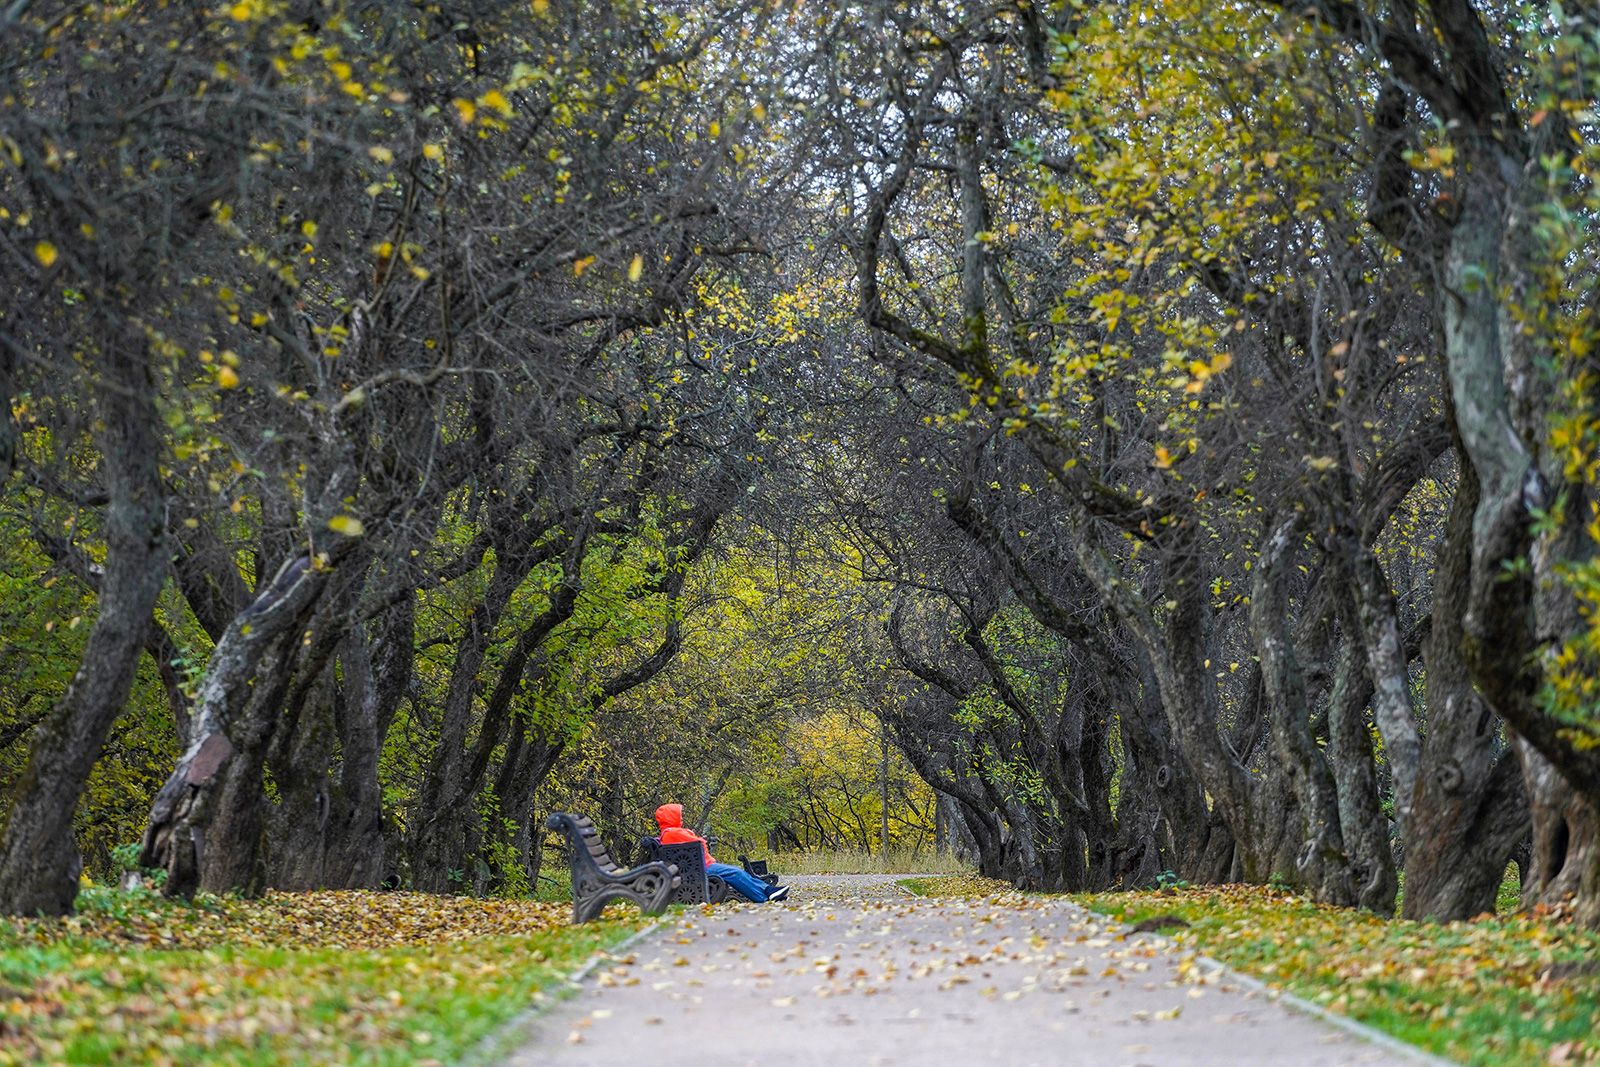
(1566, 842)
(366, 706)
(1387, 666)
(1366, 832)
(245, 681)
(1320, 863)
(1471, 809)
(437, 839)
(1519, 599)
(39, 861)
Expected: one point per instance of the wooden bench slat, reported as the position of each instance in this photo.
(597, 880)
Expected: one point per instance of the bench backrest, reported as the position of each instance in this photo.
(690, 859)
(584, 839)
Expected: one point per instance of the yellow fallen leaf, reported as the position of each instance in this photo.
(45, 253)
(495, 99)
(636, 268)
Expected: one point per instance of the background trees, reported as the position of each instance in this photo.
(1170, 431)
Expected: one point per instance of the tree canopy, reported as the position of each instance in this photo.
(1108, 439)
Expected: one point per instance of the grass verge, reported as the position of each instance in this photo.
(899, 861)
(1507, 989)
(967, 885)
(347, 977)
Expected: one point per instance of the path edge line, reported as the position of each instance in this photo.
(1287, 999)
(514, 1032)
(1299, 1004)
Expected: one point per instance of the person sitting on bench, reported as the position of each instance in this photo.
(669, 817)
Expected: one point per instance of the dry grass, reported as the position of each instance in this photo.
(898, 861)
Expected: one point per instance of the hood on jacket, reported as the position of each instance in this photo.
(669, 816)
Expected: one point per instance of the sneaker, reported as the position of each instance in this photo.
(778, 893)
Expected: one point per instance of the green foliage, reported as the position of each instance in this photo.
(1170, 880)
(758, 727)
(1559, 315)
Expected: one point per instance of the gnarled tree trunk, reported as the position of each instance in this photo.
(39, 861)
(246, 679)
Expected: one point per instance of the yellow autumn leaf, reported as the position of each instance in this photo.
(348, 525)
(381, 154)
(1163, 460)
(466, 110)
(227, 378)
(495, 99)
(45, 253)
(636, 268)
(582, 265)
(432, 151)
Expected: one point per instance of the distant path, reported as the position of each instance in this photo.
(853, 971)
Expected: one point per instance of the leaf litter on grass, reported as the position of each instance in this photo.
(324, 977)
(351, 919)
(1507, 989)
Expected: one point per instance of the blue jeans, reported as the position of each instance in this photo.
(741, 881)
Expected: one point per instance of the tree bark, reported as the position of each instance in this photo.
(224, 759)
(39, 861)
(1320, 864)
(1366, 832)
(1471, 808)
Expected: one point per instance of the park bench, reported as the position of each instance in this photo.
(695, 886)
(759, 869)
(596, 880)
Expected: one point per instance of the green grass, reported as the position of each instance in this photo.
(1501, 990)
(555, 885)
(1508, 898)
(297, 978)
(967, 885)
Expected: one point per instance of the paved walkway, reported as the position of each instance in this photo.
(852, 970)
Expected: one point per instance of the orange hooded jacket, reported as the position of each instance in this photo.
(669, 817)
